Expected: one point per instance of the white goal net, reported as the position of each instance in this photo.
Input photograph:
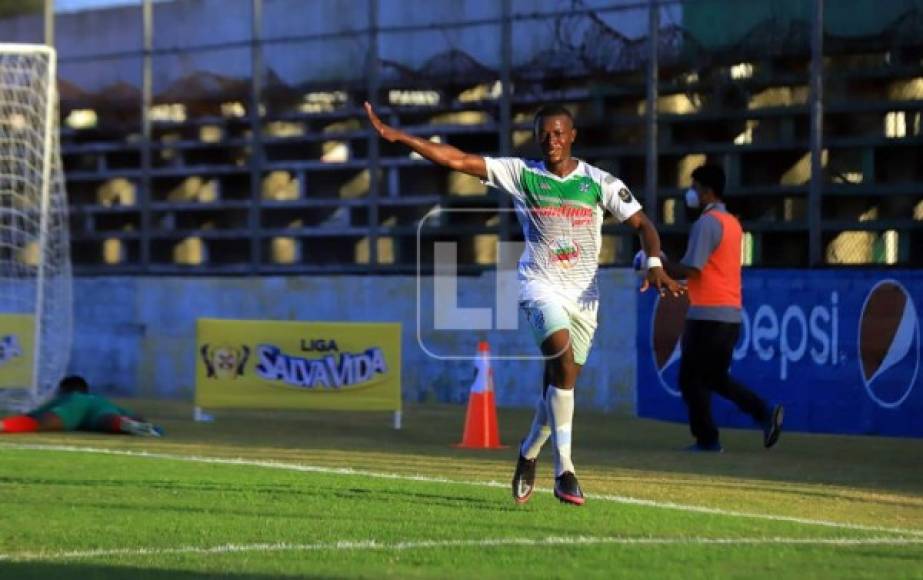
(35, 269)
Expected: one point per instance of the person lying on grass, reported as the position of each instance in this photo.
(75, 409)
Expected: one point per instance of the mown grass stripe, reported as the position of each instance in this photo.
(373, 545)
(432, 479)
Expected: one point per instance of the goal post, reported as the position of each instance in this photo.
(36, 316)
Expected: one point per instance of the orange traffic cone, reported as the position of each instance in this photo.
(481, 431)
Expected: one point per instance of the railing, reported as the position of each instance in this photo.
(248, 153)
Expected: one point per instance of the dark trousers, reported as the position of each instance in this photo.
(704, 368)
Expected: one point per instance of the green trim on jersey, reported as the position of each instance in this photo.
(545, 191)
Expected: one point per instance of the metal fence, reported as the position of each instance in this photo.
(813, 108)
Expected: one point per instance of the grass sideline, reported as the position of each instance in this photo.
(200, 519)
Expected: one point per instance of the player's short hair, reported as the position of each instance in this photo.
(73, 384)
(551, 110)
(712, 177)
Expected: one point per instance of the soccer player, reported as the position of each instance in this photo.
(712, 266)
(75, 409)
(560, 201)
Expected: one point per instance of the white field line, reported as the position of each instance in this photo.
(431, 479)
(373, 545)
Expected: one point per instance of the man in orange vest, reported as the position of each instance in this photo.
(712, 266)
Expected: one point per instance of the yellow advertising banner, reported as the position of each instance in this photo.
(17, 343)
(257, 364)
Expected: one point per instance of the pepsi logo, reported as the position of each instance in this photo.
(666, 332)
(888, 343)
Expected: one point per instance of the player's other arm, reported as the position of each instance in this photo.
(438, 153)
(617, 198)
(657, 277)
(647, 232)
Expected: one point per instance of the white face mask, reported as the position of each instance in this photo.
(692, 198)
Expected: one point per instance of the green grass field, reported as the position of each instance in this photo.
(270, 495)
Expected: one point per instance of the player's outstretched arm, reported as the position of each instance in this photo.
(438, 153)
(650, 242)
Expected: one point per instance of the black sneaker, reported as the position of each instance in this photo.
(524, 479)
(772, 428)
(567, 489)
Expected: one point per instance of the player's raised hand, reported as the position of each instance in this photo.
(387, 132)
(664, 284)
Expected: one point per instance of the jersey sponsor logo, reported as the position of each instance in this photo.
(9, 348)
(666, 332)
(224, 361)
(564, 252)
(888, 343)
(625, 195)
(578, 216)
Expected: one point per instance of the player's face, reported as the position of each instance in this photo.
(555, 136)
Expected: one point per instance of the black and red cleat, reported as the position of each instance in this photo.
(524, 479)
(567, 489)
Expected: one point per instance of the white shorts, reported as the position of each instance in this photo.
(550, 314)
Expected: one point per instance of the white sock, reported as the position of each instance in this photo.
(561, 412)
(538, 434)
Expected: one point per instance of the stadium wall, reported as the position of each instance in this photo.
(135, 336)
(840, 348)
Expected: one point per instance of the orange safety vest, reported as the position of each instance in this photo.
(718, 284)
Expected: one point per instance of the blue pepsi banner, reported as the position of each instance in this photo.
(839, 348)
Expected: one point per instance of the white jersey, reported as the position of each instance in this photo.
(561, 220)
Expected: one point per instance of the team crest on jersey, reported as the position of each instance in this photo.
(585, 187)
(565, 252)
(625, 195)
(544, 185)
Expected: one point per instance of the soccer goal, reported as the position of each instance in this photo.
(35, 269)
